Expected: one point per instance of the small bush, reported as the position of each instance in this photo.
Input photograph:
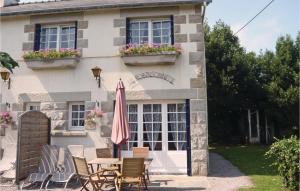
(146, 49)
(50, 54)
(286, 154)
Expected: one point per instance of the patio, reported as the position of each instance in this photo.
(223, 176)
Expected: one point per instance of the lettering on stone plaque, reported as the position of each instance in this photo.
(159, 75)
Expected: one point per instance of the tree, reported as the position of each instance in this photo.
(280, 80)
(231, 83)
(238, 80)
(7, 62)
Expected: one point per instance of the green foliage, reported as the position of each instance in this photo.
(50, 54)
(279, 77)
(7, 62)
(286, 153)
(149, 49)
(238, 80)
(232, 82)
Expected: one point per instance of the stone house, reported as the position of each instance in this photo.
(166, 93)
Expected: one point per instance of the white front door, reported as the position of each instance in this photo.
(161, 126)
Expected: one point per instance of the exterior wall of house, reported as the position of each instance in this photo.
(100, 36)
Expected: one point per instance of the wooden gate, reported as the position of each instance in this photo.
(33, 132)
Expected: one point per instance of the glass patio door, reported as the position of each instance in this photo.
(161, 127)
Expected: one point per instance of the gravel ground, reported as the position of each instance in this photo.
(223, 176)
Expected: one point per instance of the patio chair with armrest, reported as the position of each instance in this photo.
(85, 177)
(105, 153)
(65, 171)
(47, 166)
(131, 173)
(142, 152)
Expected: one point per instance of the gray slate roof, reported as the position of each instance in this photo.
(80, 5)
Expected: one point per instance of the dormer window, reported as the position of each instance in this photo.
(150, 31)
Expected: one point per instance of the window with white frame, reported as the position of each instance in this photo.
(152, 126)
(150, 31)
(159, 126)
(57, 37)
(76, 116)
(132, 110)
(176, 126)
(33, 106)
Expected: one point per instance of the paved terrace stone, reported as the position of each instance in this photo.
(222, 176)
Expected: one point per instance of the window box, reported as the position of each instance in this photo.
(57, 63)
(164, 58)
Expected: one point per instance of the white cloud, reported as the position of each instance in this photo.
(255, 37)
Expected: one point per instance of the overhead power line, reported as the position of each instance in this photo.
(254, 17)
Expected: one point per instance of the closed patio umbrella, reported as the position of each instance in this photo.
(120, 130)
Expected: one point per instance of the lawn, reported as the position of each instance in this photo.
(252, 162)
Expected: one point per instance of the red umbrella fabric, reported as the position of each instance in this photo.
(120, 129)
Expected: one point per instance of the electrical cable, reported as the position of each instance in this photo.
(254, 17)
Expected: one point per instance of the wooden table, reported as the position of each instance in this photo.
(111, 161)
(105, 161)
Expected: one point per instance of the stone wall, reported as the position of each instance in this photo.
(58, 113)
(198, 106)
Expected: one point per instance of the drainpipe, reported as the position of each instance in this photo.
(203, 10)
(204, 5)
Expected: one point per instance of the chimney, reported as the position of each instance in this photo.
(5, 3)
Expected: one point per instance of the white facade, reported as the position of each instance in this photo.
(54, 90)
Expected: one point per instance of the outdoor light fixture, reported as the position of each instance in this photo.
(5, 77)
(96, 72)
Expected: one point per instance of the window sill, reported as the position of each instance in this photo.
(166, 58)
(64, 133)
(58, 63)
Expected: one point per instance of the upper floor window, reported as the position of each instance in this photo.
(57, 37)
(150, 31)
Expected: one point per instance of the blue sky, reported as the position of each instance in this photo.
(280, 18)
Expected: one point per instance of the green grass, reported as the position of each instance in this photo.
(252, 162)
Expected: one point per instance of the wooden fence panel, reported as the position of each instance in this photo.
(33, 132)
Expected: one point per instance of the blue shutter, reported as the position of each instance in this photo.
(128, 37)
(37, 36)
(188, 138)
(172, 29)
(76, 27)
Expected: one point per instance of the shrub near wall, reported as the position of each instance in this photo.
(286, 154)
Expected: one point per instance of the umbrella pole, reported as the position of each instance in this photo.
(119, 151)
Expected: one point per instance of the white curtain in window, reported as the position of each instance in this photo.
(155, 138)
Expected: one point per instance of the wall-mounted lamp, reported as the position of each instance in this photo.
(5, 77)
(96, 72)
(7, 105)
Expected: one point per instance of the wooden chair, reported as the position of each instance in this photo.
(142, 152)
(84, 175)
(105, 153)
(132, 173)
